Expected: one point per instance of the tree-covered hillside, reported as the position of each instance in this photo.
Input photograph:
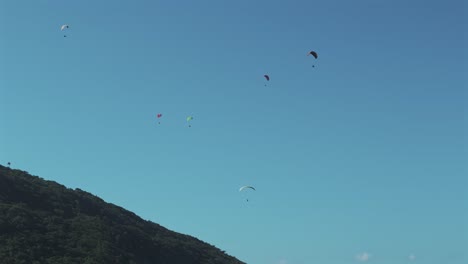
(45, 222)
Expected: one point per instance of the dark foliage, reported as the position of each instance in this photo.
(44, 222)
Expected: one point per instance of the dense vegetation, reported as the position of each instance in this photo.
(44, 222)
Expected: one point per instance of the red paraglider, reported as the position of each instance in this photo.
(159, 116)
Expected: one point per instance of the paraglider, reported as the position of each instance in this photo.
(246, 187)
(313, 53)
(8, 163)
(159, 116)
(63, 28)
(189, 118)
(267, 78)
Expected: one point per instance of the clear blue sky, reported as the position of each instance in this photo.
(365, 154)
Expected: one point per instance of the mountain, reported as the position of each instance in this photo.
(43, 222)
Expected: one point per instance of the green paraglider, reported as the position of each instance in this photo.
(189, 118)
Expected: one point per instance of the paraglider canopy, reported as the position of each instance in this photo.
(313, 53)
(189, 118)
(159, 116)
(64, 27)
(246, 187)
(266, 77)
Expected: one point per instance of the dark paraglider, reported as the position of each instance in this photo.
(314, 54)
(267, 77)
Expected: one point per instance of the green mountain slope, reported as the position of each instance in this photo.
(45, 222)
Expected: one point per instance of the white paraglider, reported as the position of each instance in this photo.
(245, 188)
(64, 28)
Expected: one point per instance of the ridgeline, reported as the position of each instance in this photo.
(43, 222)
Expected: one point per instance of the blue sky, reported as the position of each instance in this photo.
(359, 159)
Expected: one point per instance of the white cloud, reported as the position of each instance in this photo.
(363, 257)
(283, 261)
(412, 257)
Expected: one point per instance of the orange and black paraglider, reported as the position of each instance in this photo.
(313, 53)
